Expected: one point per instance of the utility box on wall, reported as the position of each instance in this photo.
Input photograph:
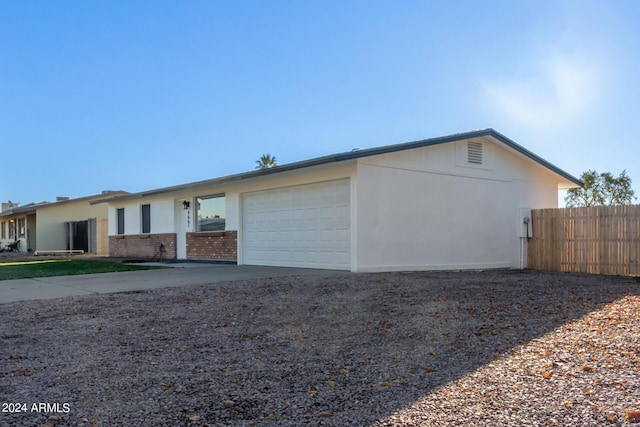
(525, 228)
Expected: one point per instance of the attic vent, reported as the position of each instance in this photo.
(474, 152)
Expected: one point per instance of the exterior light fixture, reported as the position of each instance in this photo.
(186, 204)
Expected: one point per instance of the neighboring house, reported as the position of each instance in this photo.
(66, 224)
(18, 226)
(454, 202)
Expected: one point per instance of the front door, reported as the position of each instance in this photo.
(183, 225)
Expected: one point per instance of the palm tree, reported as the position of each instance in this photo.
(266, 161)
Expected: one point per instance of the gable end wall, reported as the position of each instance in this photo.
(422, 210)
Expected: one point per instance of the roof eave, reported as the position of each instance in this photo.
(535, 157)
(19, 211)
(356, 154)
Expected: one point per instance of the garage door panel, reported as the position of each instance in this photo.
(302, 226)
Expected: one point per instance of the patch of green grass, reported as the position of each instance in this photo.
(62, 267)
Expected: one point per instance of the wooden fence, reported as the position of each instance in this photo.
(599, 240)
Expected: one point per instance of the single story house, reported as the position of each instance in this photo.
(18, 226)
(453, 202)
(66, 224)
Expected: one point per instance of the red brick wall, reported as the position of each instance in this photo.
(142, 245)
(219, 246)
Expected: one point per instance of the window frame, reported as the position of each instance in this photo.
(197, 224)
(120, 221)
(21, 227)
(145, 218)
(13, 230)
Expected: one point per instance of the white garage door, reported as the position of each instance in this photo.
(301, 226)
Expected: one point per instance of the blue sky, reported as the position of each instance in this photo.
(136, 95)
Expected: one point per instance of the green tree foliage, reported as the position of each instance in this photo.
(601, 190)
(266, 161)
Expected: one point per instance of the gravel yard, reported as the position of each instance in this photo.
(393, 349)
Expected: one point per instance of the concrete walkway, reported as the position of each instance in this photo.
(177, 275)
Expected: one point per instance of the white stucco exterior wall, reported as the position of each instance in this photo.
(232, 204)
(424, 209)
(162, 215)
(112, 219)
(163, 206)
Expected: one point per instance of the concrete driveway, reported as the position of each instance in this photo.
(175, 275)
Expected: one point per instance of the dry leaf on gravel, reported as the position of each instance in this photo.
(466, 348)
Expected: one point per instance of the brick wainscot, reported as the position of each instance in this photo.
(218, 246)
(143, 245)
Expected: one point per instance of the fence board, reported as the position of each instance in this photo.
(599, 240)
